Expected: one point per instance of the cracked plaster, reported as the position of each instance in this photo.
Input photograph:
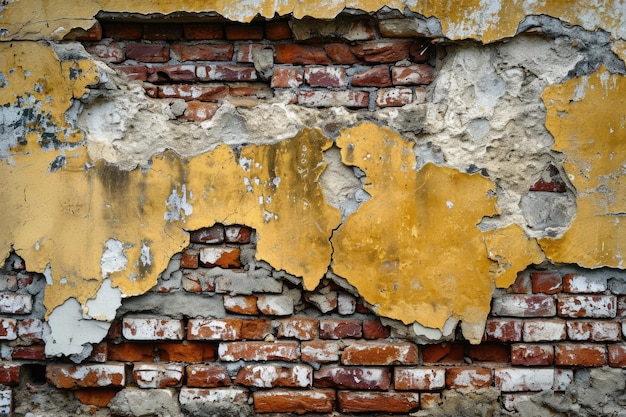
(485, 106)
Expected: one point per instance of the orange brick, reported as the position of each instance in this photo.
(278, 30)
(222, 256)
(340, 329)
(385, 402)
(340, 53)
(99, 397)
(86, 376)
(207, 376)
(259, 351)
(158, 375)
(617, 355)
(546, 282)
(237, 234)
(131, 352)
(241, 304)
(162, 31)
(301, 54)
(471, 378)
(301, 328)
(189, 259)
(187, 351)
(383, 51)
(228, 329)
(321, 351)
(9, 374)
(447, 353)
(198, 111)
(294, 401)
(380, 353)
(530, 355)
(580, 354)
(203, 52)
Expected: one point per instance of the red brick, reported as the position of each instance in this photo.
(172, 73)
(551, 181)
(238, 234)
(301, 54)
(294, 401)
(416, 74)
(203, 31)
(373, 77)
(340, 53)
(203, 52)
(259, 351)
(250, 90)
(135, 328)
(156, 375)
(224, 72)
(144, 52)
(186, 351)
(393, 97)
(98, 397)
(580, 354)
(324, 302)
(346, 304)
(228, 329)
(278, 30)
(489, 352)
(386, 402)
(207, 376)
(593, 306)
(325, 76)
(380, 353)
(111, 53)
(520, 286)
(352, 98)
(134, 72)
(241, 304)
(122, 30)
(221, 256)
(8, 329)
(597, 331)
(9, 374)
(99, 353)
(301, 328)
(521, 305)
(11, 303)
(198, 280)
(532, 355)
(374, 329)
(162, 31)
(543, 330)
(340, 329)
(546, 282)
(198, 111)
(270, 376)
(86, 376)
(33, 352)
(383, 51)
(447, 353)
(472, 378)
(320, 351)
(617, 355)
(576, 283)
(420, 51)
(352, 377)
(93, 34)
(193, 92)
(419, 379)
(503, 330)
(132, 352)
(249, 31)
(213, 234)
(287, 77)
(189, 259)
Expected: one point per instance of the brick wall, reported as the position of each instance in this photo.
(267, 346)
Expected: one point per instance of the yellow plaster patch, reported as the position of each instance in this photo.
(476, 19)
(414, 250)
(587, 119)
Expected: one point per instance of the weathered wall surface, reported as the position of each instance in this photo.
(420, 155)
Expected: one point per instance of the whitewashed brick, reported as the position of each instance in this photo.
(134, 328)
(524, 305)
(543, 330)
(521, 379)
(86, 376)
(421, 379)
(30, 329)
(11, 303)
(269, 376)
(275, 305)
(154, 375)
(593, 306)
(594, 330)
(346, 304)
(6, 401)
(562, 379)
(8, 329)
(197, 400)
(324, 302)
(575, 283)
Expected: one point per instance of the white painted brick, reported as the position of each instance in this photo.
(593, 306)
(543, 330)
(8, 329)
(30, 329)
(6, 401)
(594, 330)
(421, 379)
(324, 302)
(524, 305)
(194, 399)
(521, 379)
(346, 304)
(575, 283)
(269, 376)
(11, 303)
(562, 379)
(153, 375)
(152, 329)
(275, 305)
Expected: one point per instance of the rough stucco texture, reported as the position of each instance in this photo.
(415, 250)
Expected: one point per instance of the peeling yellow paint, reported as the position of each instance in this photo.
(585, 115)
(414, 250)
(460, 19)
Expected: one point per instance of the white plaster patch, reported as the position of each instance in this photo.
(113, 259)
(177, 206)
(146, 257)
(67, 330)
(104, 306)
